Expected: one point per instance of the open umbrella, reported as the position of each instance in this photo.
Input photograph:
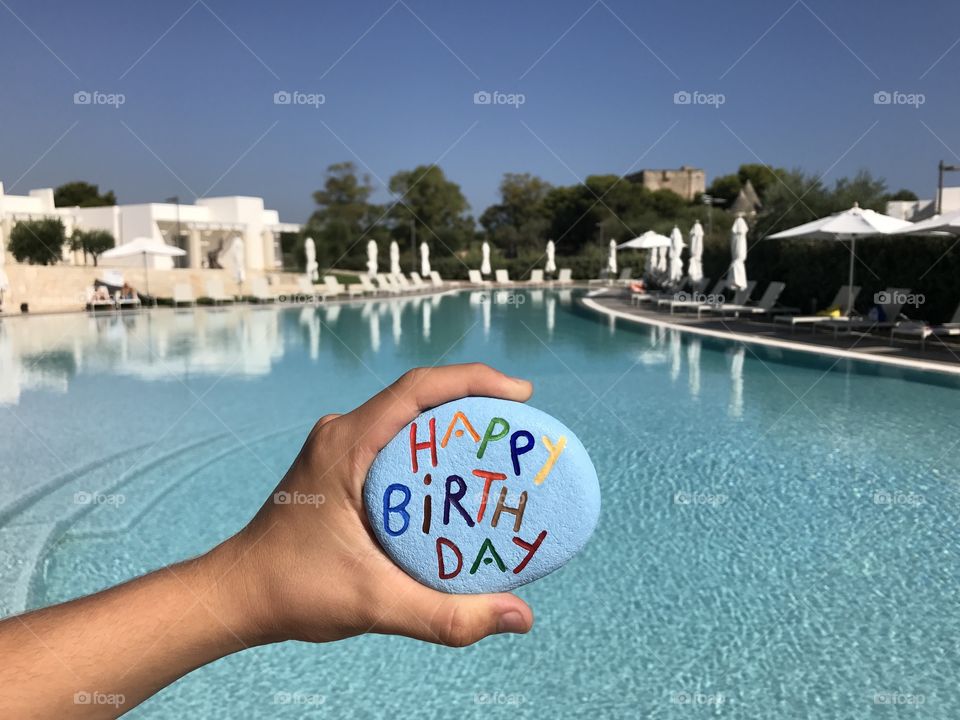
(676, 258)
(694, 265)
(313, 269)
(372, 258)
(394, 258)
(851, 225)
(738, 253)
(938, 224)
(424, 259)
(485, 263)
(551, 266)
(143, 246)
(612, 258)
(648, 241)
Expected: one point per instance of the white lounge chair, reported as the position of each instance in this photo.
(215, 291)
(682, 300)
(503, 277)
(99, 302)
(386, 284)
(536, 277)
(476, 278)
(764, 305)
(367, 285)
(334, 287)
(565, 277)
(436, 279)
(843, 302)
(739, 299)
(122, 302)
(891, 312)
(309, 291)
(916, 330)
(417, 281)
(260, 290)
(183, 295)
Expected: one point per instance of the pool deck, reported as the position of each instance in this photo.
(867, 347)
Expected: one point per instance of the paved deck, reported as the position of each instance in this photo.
(875, 347)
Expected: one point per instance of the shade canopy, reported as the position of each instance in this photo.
(846, 225)
(647, 240)
(143, 246)
(938, 224)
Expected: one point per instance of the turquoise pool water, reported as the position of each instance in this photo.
(778, 537)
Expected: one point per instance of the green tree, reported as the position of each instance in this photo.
(761, 176)
(863, 189)
(725, 188)
(83, 194)
(38, 242)
(904, 195)
(91, 242)
(343, 216)
(519, 220)
(432, 206)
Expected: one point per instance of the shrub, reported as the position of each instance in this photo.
(38, 242)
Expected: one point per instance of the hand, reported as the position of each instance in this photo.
(313, 570)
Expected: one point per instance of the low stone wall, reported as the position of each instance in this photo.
(64, 288)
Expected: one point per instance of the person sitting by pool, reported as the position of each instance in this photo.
(100, 294)
(127, 292)
(296, 572)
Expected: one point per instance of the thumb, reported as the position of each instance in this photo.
(456, 620)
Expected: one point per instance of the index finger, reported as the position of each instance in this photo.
(387, 412)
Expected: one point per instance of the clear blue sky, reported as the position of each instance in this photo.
(399, 79)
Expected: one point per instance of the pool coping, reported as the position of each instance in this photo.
(813, 349)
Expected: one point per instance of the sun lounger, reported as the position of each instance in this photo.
(503, 277)
(215, 291)
(764, 305)
(436, 279)
(476, 278)
(417, 281)
(565, 277)
(401, 282)
(843, 302)
(309, 291)
(536, 277)
(99, 302)
(891, 312)
(367, 285)
(335, 288)
(682, 300)
(260, 290)
(183, 295)
(739, 299)
(916, 330)
(386, 284)
(130, 302)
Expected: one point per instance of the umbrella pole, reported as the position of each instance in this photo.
(853, 246)
(146, 278)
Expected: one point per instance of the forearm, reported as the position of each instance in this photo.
(101, 655)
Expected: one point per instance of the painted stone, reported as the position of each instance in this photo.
(482, 495)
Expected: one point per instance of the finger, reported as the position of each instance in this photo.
(455, 620)
(386, 413)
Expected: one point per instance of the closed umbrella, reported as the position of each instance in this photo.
(694, 265)
(143, 246)
(313, 269)
(372, 258)
(4, 281)
(851, 225)
(485, 263)
(551, 266)
(238, 260)
(662, 260)
(394, 258)
(738, 254)
(676, 256)
(612, 258)
(424, 259)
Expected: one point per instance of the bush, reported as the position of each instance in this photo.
(38, 242)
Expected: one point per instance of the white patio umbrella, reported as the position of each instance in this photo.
(143, 246)
(676, 256)
(648, 241)
(612, 258)
(851, 225)
(738, 253)
(938, 224)
(485, 263)
(372, 258)
(313, 269)
(551, 266)
(694, 265)
(424, 259)
(394, 258)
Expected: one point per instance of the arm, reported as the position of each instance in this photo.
(306, 571)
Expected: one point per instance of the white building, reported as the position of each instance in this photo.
(916, 210)
(203, 229)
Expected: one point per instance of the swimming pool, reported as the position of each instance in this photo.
(778, 537)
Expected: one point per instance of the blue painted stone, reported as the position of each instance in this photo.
(565, 504)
